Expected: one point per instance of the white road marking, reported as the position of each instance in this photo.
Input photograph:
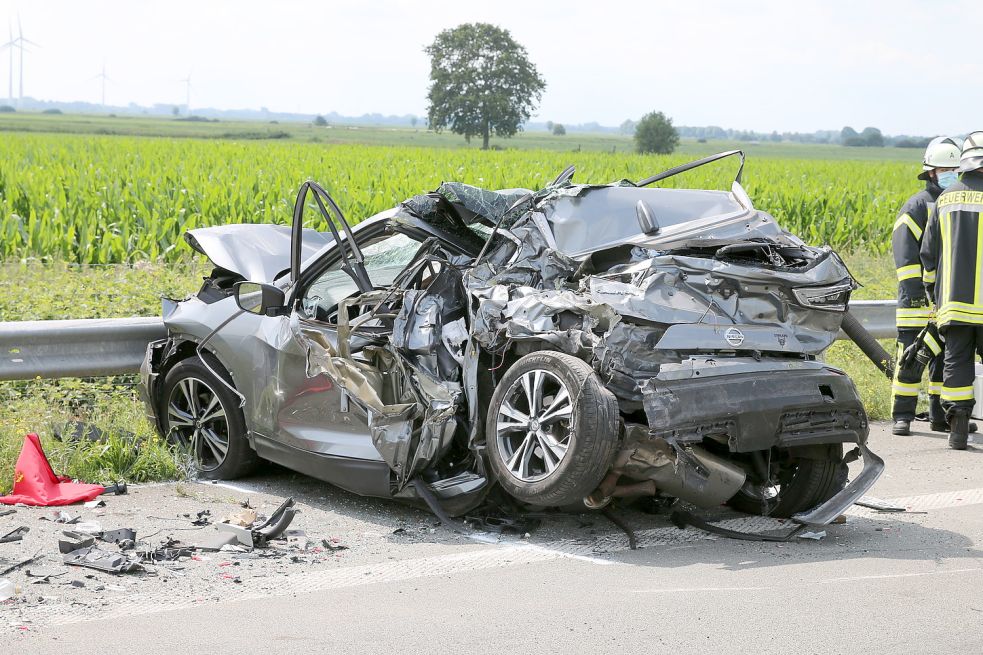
(826, 581)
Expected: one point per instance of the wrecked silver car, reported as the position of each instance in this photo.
(566, 346)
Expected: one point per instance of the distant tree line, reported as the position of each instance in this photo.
(869, 137)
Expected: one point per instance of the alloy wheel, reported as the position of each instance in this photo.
(196, 420)
(533, 428)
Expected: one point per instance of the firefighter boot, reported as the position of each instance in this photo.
(902, 428)
(958, 430)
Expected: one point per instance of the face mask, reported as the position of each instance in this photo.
(947, 179)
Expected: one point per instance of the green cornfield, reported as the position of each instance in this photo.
(109, 199)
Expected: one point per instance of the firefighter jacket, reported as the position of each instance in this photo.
(952, 253)
(913, 308)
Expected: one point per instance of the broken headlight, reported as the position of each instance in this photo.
(833, 298)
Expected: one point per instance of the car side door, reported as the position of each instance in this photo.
(313, 414)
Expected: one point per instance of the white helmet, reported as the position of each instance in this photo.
(942, 152)
(972, 156)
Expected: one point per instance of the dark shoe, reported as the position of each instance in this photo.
(944, 427)
(901, 428)
(958, 431)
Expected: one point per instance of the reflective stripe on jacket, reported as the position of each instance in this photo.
(906, 240)
(953, 246)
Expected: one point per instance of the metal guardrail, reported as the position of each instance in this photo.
(115, 346)
(75, 348)
(877, 316)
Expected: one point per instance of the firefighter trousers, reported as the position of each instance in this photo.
(962, 343)
(905, 386)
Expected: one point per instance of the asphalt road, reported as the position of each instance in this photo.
(880, 583)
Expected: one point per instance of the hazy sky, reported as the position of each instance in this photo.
(902, 65)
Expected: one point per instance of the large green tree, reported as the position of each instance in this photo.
(481, 82)
(655, 133)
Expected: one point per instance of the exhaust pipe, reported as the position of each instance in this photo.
(868, 344)
(692, 474)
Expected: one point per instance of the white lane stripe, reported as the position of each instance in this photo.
(789, 587)
(942, 500)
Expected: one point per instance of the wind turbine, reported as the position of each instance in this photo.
(20, 44)
(102, 76)
(187, 90)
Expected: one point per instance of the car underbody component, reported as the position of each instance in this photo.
(868, 344)
(681, 519)
(618, 522)
(689, 473)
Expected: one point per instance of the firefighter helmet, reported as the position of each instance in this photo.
(942, 152)
(972, 155)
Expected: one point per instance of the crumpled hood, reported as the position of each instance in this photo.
(257, 252)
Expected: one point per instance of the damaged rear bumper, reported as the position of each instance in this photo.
(756, 404)
(835, 506)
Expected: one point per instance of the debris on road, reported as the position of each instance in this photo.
(879, 505)
(243, 519)
(14, 535)
(94, 557)
(815, 536)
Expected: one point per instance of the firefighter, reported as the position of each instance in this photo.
(914, 311)
(953, 250)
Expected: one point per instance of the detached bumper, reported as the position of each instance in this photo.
(823, 514)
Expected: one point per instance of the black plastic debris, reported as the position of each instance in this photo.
(10, 568)
(94, 557)
(168, 551)
(117, 489)
(276, 524)
(73, 541)
(14, 535)
(333, 545)
(125, 538)
(879, 505)
(682, 519)
(502, 524)
(5, 512)
(204, 517)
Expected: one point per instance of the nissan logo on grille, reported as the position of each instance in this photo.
(734, 336)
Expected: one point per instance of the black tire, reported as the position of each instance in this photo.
(807, 477)
(191, 375)
(589, 436)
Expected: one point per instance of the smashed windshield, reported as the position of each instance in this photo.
(602, 216)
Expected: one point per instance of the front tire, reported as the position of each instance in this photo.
(201, 414)
(552, 430)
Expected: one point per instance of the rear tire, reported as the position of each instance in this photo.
(806, 479)
(551, 431)
(201, 414)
